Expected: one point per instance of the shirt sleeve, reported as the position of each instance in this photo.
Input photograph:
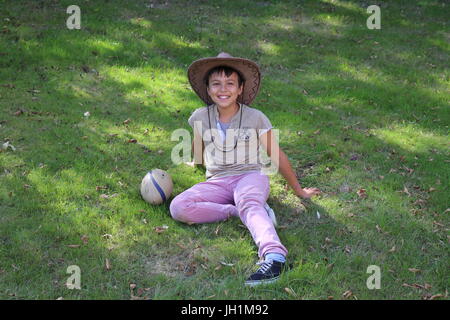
(192, 118)
(264, 124)
(195, 116)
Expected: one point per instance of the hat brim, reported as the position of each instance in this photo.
(248, 69)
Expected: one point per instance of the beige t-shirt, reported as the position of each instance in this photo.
(240, 152)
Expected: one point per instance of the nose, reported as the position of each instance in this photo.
(222, 87)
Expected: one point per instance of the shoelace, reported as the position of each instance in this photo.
(264, 266)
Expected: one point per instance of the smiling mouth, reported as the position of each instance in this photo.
(223, 97)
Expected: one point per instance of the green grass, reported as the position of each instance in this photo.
(356, 109)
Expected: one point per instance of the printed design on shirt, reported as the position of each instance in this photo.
(246, 134)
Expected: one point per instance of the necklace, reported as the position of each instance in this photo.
(239, 131)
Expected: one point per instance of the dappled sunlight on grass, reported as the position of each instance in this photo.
(360, 72)
(412, 138)
(142, 22)
(438, 42)
(329, 20)
(349, 5)
(67, 184)
(104, 45)
(282, 23)
(269, 47)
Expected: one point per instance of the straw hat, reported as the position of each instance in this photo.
(247, 68)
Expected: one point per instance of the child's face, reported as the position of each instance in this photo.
(224, 90)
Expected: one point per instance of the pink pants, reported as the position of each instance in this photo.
(242, 196)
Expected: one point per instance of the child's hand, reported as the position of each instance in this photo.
(190, 164)
(307, 192)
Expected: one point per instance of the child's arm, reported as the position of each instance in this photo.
(284, 166)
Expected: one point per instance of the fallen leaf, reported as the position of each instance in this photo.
(426, 286)
(347, 294)
(405, 190)
(127, 121)
(140, 292)
(290, 292)
(73, 245)
(85, 239)
(227, 264)
(181, 245)
(132, 141)
(85, 68)
(105, 196)
(161, 229)
(436, 296)
(132, 286)
(438, 224)
(392, 249)
(414, 270)
(107, 264)
(362, 193)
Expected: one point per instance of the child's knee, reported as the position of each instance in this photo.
(179, 209)
(246, 203)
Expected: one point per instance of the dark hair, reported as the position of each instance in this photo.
(224, 69)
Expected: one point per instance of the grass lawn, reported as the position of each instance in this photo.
(363, 115)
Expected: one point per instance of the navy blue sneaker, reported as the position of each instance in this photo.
(268, 272)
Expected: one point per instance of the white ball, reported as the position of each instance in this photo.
(156, 187)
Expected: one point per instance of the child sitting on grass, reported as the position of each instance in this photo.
(226, 128)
